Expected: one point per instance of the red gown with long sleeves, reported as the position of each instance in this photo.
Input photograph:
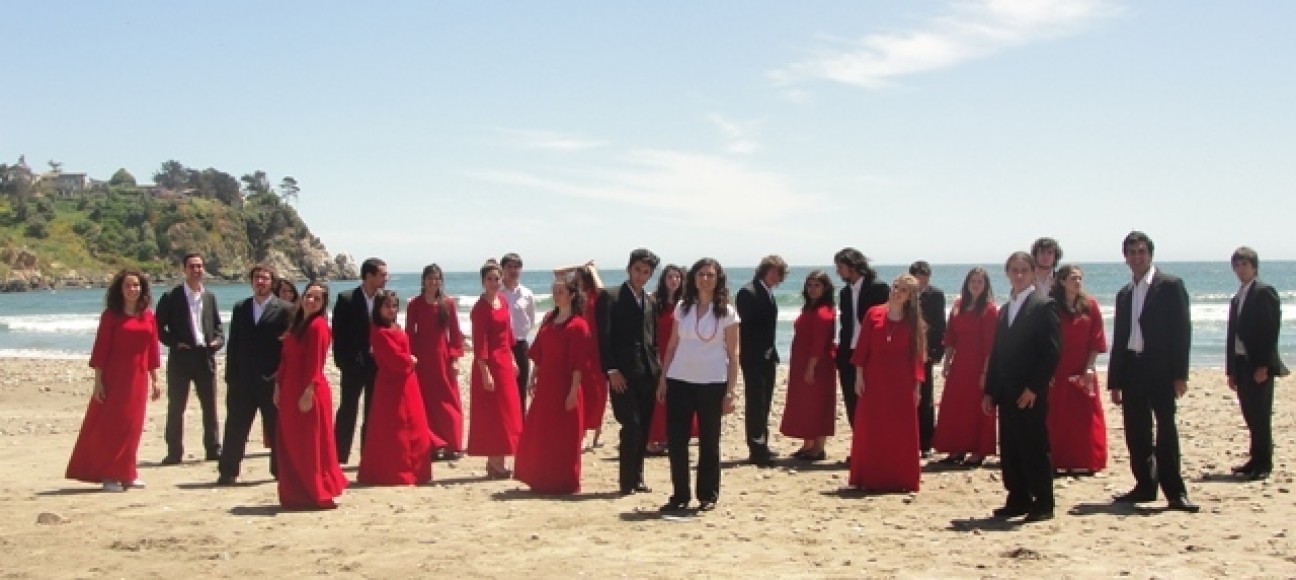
(125, 349)
(811, 408)
(961, 426)
(549, 452)
(309, 474)
(665, 330)
(437, 344)
(884, 450)
(594, 384)
(1076, 425)
(397, 448)
(495, 418)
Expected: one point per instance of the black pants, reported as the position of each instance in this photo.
(354, 384)
(242, 402)
(758, 390)
(196, 365)
(1152, 460)
(633, 410)
(926, 410)
(1256, 400)
(683, 402)
(846, 376)
(523, 371)
(1024, 456)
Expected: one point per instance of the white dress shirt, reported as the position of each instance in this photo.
(1137, 298)
(194, 298)
(522, 310)
(1015, 303)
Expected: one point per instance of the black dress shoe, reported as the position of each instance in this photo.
(1256, 474)
(1135, 496)
(641, 488)
(707, 506)
(1042, 515)
(760, 461)
(226, 480)
(820, 456)
(1183, 504)
(1244, 469)
(1010, 511)
(674, 507)
(171, 460)
(213, 455)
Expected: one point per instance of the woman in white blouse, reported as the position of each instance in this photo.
(698, 379)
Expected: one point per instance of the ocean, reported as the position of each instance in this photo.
(61, 324)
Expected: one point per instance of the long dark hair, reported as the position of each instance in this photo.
(115, 299)
(573, 286)
(381, 298)
(300, 321)
(663, 296)
(443, 311)
(975, 304)
(280, 284)
(857, 261)
(719, 299)
(1079, 307)
(827, 299)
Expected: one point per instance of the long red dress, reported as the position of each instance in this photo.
(594, 384)
(398, 447)
(437, 344)
(309, 474)
(961, 426)
(495, 419)
(125, 349)
(549, 452)
(1076, 425)
(884, 450)
(665, 329)
(811, 409)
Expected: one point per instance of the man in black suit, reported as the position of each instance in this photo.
(351, 352)
(1252, 361)
(257, 326)
(189, 325)
(1027, 345)
(1148, 371)
(862, 290)
(932, 302)
(627, 335)
(757, 355)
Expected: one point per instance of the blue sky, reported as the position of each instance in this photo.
(453, 131)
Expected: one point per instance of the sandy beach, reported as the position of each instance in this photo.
(791, 521)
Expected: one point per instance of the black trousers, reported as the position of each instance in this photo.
(1145, 406)
(926, 410)
(1024, 456)
(242, 402)
(758, 390)
(1256, 400)
(846, 376)
(354, 384)
(523, 370)
(684, 401)
(633, 410)
(196, 365)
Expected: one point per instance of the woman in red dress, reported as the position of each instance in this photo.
(811, 409)
(432, 322)
(397, 449)
(963, 431)
(670, 285)
(549, 452)
(889, 360)
(496, 414)
(1076, 425)
(309, 474)
(125, 359)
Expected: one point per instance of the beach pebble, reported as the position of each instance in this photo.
(50, 519)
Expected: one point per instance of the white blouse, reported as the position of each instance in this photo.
(700, 355)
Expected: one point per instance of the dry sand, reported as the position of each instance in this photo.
(791, 521)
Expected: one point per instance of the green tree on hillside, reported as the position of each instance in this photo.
(173, 175)
(122, 178)
(288, 189)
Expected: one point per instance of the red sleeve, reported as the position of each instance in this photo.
(1097, 335)
(920, 367)
(951, 330)
(104, 336)
(414, 317)
(821, 332)
(536, 351)
(386, 348)
(480, 317)
(316, 347)
(989, 325)
(860, 357)
(452, 325)
(580, 347)
(155, 349)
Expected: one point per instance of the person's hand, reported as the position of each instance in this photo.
(155, 391)
(275, 397)
(1232, 383)
(859, 388)
(730, 403)
(488, 382)
(617, 381)
(182, 345)
(531, 386)
(99, 393)
(307, 400)
(1181, 388)
(1026, 400)
(661, 391)
(809, 375)
(571, 399)
(945, 370)
(1116, 397)
(1261, 374)
(987, 405)
(917, 395)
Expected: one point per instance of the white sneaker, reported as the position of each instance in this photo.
(113, 486)
(138, 483)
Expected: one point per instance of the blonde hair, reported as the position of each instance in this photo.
(913, 314)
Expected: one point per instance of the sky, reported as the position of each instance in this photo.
(449, 132)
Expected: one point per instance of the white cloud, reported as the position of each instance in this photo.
(548, 140)
(967, 30)
(739, 135)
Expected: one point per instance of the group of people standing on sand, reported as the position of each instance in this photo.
(669, 362)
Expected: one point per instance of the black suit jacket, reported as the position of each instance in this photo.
(254, 346)
(627, 334)
(1167, 335)
(1257, 327)
(174, 326)
(932, 302)
(1026, 353)
(351, 350)
(872, 293)
(759, 318)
